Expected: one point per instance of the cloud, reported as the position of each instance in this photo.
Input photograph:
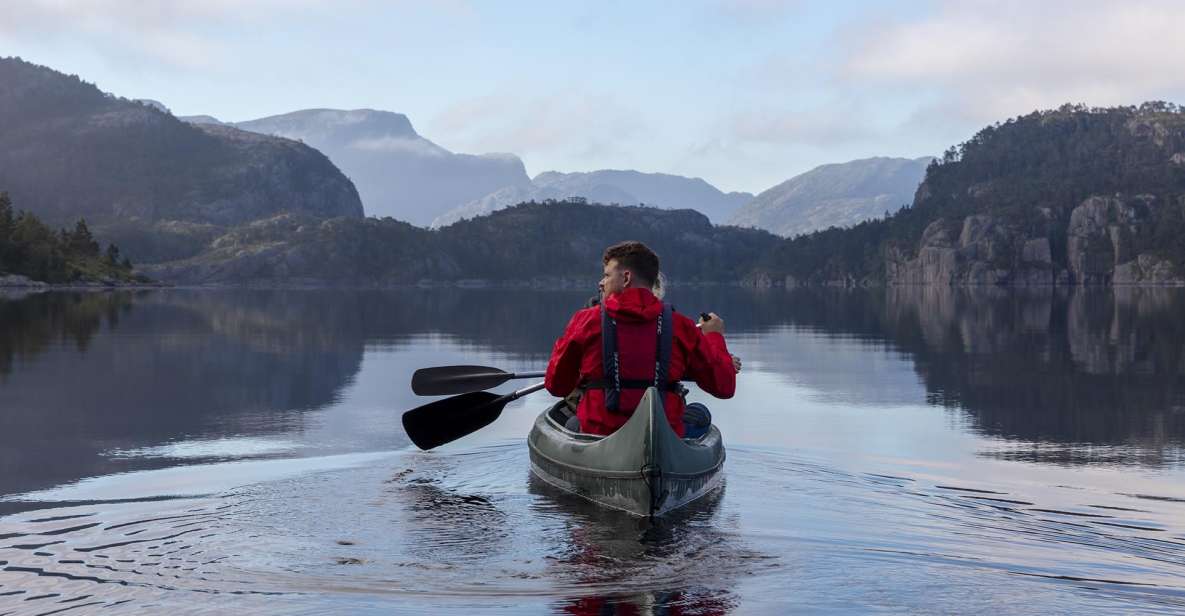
(822, 127)
(176, 33)
(414, 145)
(67, 15)
(575, 125)
(986, 61)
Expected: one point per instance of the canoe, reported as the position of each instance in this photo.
(643, 468)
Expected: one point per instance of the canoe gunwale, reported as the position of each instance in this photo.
(645, 469)
(638, 474)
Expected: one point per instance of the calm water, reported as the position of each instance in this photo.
(917, 451)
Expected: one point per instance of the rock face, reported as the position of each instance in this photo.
(836, 195)
(623, 187)
(1104, 232)
(398, 173)
(1106, 243)
(20, 282)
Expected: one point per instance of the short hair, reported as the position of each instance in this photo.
(636, 257)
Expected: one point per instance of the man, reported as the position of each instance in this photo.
(629, 308)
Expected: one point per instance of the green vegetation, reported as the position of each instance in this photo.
(143, 178)
(217, 204)
(1032, 171)
(552, 241)
(566, 238)
(29, 247)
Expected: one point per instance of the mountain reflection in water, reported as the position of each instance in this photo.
(1092, 376)
(1065, 377)
(882, 443)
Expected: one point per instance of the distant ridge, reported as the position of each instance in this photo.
(523, 243)
(624, 187)
(200, 119)
(835, 195)
(398, 173)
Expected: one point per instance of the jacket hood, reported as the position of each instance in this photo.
(634, 304)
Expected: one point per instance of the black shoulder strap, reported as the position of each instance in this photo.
(609, 360)
(662, 349)
(611, 364)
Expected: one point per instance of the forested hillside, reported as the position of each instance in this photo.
(551, 243)
(30, 248)
(136, 173)
(1074, 195)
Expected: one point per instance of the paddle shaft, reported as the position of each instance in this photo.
(523, 375)
(515, 395)
(447, 380)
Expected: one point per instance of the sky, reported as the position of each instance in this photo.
(743, 93)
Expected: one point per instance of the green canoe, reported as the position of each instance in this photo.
(643, 468)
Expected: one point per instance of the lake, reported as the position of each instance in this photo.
(910, 450)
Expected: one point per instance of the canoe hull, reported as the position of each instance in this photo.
(644, 468)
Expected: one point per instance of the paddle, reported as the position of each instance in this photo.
(446, 380)
(445, 421)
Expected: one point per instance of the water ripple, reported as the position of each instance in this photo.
(469, 530)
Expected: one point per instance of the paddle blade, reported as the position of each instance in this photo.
(445, 421)
(448, 380)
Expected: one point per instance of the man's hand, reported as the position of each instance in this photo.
(736, 363)
(712, 324)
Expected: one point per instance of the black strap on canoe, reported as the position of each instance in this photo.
(611, 364)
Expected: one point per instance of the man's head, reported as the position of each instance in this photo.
(628, 265)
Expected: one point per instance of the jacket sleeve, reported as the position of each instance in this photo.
(563, 369)
(710, 365)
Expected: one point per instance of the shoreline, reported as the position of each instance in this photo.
(28, 286)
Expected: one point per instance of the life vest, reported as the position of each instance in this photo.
(613, 382)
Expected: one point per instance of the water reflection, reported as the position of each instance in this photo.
(87, 373)
(1084, 377)
(97, 383)
(680, 564)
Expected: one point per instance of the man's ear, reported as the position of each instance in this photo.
(629, 277)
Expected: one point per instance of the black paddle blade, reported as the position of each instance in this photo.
(448, 380)
(445, 421)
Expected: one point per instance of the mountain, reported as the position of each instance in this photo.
(200, 119)
(624, 187)
(528, 242)
(836, 195)
(1070, 196)
(398, 173)
(657, 189)
(155, 104)
(514, 195)
(70, 151)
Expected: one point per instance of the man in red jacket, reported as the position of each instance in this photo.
(582, 357)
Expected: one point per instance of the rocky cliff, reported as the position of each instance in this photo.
(1107, 240)
(1070, 196)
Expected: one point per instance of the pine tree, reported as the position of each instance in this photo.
(82, 242)
(6, 216)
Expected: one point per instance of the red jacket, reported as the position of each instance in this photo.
(576, 358)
